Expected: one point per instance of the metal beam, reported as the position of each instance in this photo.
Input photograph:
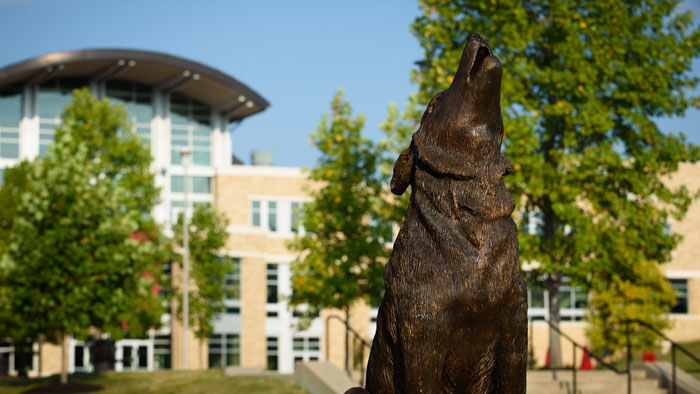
(111, 72)
(177, 81)
(43, 75)
(230, 104)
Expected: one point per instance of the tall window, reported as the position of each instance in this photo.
(138, 100)
(272, 215)
(681, 288)
(272, 353)
(272, 278)
(53, 97)
(295, 212)
(255, 213)
(10, 115)
(224, 350)
(190, 128)
(536, 303)
(233, 281)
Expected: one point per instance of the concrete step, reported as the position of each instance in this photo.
(590, 382)
(587, 382)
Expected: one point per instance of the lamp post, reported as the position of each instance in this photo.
(185, 155)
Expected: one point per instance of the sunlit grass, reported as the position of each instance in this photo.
(210, 382)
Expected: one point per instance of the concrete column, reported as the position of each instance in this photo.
(29, 125)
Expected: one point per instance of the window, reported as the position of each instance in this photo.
(233, 310)
(79, 358)
(532, 223)
(306, 348)
(233, 281)
(197, 184)
(681, 288)
(138, 100)
(272, 353)
(296, 212)
(52, 98)
(272, 276)
(272, 215)
(224, 350)
(573, 301)
(10, 115)
(161, 351)
(255, 213)
(190, 128)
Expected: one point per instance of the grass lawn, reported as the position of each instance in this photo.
(210, 382)
(684, 362)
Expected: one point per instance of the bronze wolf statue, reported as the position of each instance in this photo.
(454, 314)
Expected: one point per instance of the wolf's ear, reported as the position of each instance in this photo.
(403, 170)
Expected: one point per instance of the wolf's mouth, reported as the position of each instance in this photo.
(481, 54)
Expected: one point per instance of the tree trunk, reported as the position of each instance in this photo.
(64, 367)
(201, 356)
(347, 340)
(553, 281)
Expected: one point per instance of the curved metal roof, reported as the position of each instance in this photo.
(164, 72)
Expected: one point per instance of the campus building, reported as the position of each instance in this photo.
(173, 104)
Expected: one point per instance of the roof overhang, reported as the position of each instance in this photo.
(166, 73)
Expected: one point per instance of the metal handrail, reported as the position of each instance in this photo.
(597, 358)
(357, 336)
(674, 346)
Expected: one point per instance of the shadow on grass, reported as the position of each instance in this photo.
(52, 384)
(70, 387)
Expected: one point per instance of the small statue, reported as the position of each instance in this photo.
(454, 314)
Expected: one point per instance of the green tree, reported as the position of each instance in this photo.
(83, 256)
(343, 247)
(208, 269)
(648, 298)
(583, 84)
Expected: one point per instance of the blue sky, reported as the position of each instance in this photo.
(296, 54)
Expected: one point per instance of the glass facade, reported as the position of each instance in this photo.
(51, 100)
(190, 128)
(138, 100)
(10, 115)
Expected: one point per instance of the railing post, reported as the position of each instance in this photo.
(629, 358)
(573, 366)
(362, 366)
(673, 365)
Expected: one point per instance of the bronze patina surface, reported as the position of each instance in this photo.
(454, 315)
